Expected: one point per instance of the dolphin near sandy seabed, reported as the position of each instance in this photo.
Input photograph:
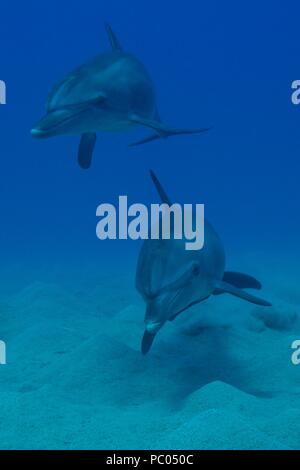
(172, 279)
(113, 93)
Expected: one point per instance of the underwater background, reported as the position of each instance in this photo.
(220, 376)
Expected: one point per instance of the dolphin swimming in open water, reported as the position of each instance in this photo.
(172, 279)
(113, 92)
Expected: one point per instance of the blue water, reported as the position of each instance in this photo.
(221, 64)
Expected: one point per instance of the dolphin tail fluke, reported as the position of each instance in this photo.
(147, 342)
(162, 131)
(86, 148)
(114, 42)
(222, 287)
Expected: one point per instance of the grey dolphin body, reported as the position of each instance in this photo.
(113, 92)
(172, 279)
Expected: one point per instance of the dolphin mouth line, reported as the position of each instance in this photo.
(174, 299)
(45, 131)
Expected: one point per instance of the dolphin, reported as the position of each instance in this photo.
(113, 93)
(172, 279)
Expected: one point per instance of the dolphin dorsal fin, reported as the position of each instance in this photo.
(162, 194)
(114, 42)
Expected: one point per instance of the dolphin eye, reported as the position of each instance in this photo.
(196, 269)
(99, 101)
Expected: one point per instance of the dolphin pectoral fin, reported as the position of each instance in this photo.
(150, 138)
(147, 341)
(158, 126)
(241, 280)
(162, 131)
(114, 42)
(86, 148)
(224, 287)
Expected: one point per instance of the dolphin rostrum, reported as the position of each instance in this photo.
(172, 279)
(113, 92)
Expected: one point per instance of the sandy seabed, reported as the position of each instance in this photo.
(219, 377)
